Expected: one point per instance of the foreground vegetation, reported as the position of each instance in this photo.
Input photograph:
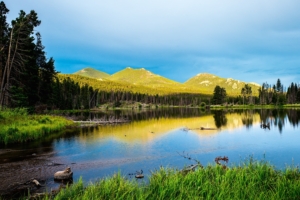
(251, 180)
(17, 126)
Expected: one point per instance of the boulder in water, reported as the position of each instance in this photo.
(63, 175)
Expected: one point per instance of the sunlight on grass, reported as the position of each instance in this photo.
(250, 180)
(18, 126)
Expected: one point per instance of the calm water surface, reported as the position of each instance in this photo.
(160, 138)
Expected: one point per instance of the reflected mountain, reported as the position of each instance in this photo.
(154, 128)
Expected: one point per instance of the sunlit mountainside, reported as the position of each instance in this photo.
(207, 83)
(144, 81)
(146, 78)
(92, 73)
(121, 86)
(141, 77)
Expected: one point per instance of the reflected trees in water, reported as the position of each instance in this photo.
(293, 117)
(220, 118)
(247, 118)
(278, 117)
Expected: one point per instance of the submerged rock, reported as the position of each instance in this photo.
(139, 176)
(63, 175)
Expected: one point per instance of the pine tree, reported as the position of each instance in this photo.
(3, 45)
(219, 95)
(20, 70)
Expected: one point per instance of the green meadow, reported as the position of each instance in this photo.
(18, 126)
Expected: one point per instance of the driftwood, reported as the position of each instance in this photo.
(203, 128)
(99, 122)
(220, 158)
(190, 168)
(37, 184)
(264, 126)
(64, 175)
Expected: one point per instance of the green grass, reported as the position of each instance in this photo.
(291, 105)
(254, 106)
(17, 126)
(251, 180)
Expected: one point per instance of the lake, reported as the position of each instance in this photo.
(155, 138)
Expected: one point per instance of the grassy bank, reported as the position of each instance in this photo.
(17, 126)
(123, 105)
(254, 106)
(252, 180)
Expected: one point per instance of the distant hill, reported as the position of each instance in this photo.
(121, 86)
(207, 83)
(144, 81)
(92, 73)
(143, 77)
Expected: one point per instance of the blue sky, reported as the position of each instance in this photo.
(253, 41)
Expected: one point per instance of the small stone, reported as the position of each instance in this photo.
(139, 176)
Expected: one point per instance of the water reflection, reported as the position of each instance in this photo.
(220, 118)
(155, 127)
(138, 115)
(248, 118)
(279, 117)
(293, 117)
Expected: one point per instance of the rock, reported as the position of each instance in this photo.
(37, 184)
(139, 176)
(63, 175)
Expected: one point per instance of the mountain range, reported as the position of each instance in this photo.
(201, 83)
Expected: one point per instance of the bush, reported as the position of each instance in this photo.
(202, 104)
(117, 104)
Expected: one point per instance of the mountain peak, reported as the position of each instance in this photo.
(206, 75)
(92, 73)
(207, 82)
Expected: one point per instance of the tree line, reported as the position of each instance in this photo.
(76, 95)
(268, 95)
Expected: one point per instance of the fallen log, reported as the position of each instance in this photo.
(102, 122)
(190, 168)
(203, 128)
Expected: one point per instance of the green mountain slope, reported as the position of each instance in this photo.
(110, 85)
(144, 81)
(142, 77)
(207, 82)
(92, 73)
